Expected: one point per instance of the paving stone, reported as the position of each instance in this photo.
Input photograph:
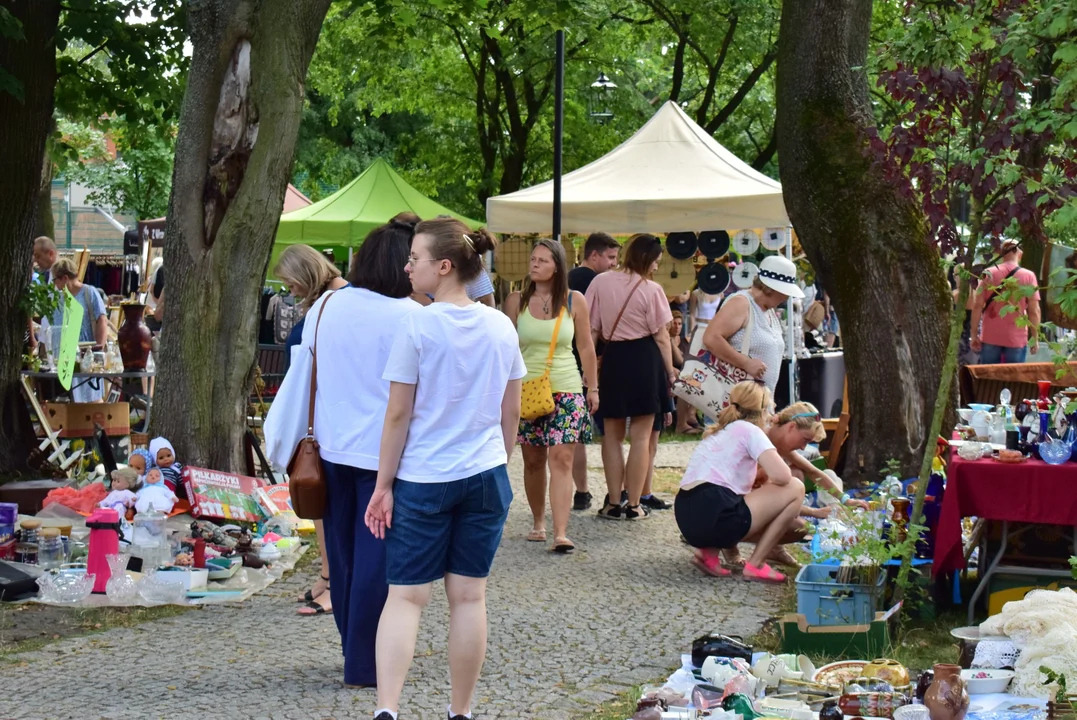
(566, 634)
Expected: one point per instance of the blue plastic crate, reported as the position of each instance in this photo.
(824, 601)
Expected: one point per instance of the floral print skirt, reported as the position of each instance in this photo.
(568, 423)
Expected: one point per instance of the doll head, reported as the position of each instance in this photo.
(139, 461)
(162, 453)
(154, 477)
(124, 479)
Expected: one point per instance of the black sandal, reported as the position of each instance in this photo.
(636, 512)
(308, 598)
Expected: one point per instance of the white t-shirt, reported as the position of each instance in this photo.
(354, 341)
(460, 359)
(729, 457)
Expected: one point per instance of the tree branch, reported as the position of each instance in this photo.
(714, 71)
(742, 92)
(767, 153)
(93, 52)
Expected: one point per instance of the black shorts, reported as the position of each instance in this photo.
(712, 516)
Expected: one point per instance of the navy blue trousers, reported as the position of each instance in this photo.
(356, 569)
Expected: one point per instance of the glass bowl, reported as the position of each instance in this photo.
(1055, 452)
(156, 590)
(65, 587)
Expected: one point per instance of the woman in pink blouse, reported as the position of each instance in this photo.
(737, 488)
(629, 314)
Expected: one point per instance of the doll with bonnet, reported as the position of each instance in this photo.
(163, 456)
(140, 461)
(155, 494)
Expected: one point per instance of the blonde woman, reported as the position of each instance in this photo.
(308, 275)
(718, 504)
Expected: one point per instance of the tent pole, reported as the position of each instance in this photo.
(558, 132)
(790, 347)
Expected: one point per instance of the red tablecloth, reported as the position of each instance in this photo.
(1032, 491)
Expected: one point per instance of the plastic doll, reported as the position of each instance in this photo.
(124, 484)
(155, 494)
(140, 461)
(164, 457)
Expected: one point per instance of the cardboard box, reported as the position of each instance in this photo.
(77, 420)
(221, 495)
(867, 640)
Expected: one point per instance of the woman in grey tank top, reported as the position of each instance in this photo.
(725, 334)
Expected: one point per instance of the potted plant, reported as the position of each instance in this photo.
(1064, 704)
(853, 590)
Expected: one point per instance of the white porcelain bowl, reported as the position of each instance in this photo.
(983, 681)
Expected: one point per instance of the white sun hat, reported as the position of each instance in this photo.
(780, 274)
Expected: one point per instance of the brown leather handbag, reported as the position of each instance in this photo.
(306, 476)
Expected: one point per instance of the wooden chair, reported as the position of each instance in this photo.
(838, 429)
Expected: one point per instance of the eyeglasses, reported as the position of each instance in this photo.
(412, 260)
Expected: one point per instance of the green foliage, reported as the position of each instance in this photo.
(138, 180)
(1059, 681)
(458, 94)
(11, 31)
(1073, 566)
(40, 299)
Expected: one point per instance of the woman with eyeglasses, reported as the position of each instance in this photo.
(719, 503)
(443, 492)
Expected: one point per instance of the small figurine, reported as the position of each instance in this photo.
(164, 457)
(140, 461)
(155, 494)
(124, 482)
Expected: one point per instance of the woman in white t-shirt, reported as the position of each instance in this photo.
(443, 490)
(719, 504)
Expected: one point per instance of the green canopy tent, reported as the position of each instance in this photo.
(343, 219)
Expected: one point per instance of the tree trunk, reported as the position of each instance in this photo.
(44, 224)
(24, 125)
(238, 127)
(867, 242)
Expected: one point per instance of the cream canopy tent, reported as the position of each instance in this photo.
(670, 176)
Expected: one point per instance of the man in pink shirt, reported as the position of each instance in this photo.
(1002, 339)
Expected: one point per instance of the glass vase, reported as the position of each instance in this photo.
(120, 588)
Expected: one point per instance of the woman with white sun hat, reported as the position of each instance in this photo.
(724, 337)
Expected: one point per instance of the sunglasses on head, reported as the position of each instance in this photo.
(812, 415)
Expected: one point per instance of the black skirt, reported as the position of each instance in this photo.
(630, 379)
(712, 516)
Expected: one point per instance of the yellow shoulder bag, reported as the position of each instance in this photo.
(536, 397)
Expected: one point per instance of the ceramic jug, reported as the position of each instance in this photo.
(947, 698)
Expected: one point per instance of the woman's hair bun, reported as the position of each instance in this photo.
(483, 240)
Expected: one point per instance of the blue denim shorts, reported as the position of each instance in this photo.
(452, 527)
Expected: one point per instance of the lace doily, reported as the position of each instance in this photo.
(995, 654)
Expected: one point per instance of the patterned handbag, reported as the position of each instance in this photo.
(536, 396)
(705, 381)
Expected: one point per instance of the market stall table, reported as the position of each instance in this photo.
(1028, 492)
(77, 378)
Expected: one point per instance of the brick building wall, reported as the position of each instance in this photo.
(85, 227)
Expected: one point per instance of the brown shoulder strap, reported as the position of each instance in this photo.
(618, 320)
(314, 367)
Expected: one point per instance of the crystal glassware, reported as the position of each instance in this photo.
(120, 588)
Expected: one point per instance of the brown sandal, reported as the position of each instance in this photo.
(562, 545)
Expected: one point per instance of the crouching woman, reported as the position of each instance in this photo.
(718, 504)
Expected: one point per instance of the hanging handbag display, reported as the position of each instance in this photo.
(607, 340)
(705, 381)
(536, 396)
(306, 476)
